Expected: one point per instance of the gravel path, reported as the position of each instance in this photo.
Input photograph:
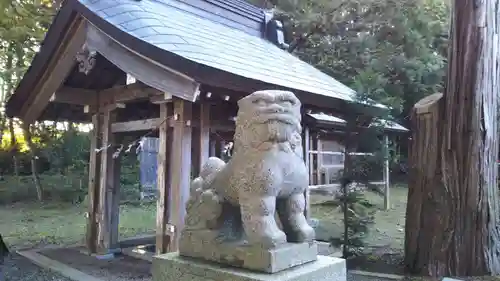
(18, 268)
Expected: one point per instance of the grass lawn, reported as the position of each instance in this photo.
(388, 229)
(27, 225)
(31, 224)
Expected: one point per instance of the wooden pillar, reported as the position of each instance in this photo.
(180, 163)
(219, 147)
(315, 159)
(163, 232)
(212, 150)
(114, 200)
(107, 230)
(306, 147)
(319, 161)
(310, 158)
(387, 183)
(201, 138)
(94, 181)
(204, 141)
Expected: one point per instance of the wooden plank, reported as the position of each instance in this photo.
(56, 72)
(376, 275)
(163, 184)
(306, 141)
(180, 164)
(137, 125)
(64, 270)
(93, 189)
(138, 252)
(106, 184)
(387, 182)
(340, 153)
(143, 239)
(150, 73)
(336, 185)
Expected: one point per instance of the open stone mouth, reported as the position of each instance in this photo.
(285, 121)
(281, 117)
(274, 109)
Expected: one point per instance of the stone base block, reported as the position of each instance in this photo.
(246, 256)
(172, 267)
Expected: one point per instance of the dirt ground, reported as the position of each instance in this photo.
(121, 268)
(18, 268)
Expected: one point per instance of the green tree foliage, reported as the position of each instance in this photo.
(391, 51)
(23, 25)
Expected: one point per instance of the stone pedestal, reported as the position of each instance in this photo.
(172, 267)
(246, 256)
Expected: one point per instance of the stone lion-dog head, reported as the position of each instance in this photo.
(266, 118)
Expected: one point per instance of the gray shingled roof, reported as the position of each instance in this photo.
(216, 45)
(387, 124)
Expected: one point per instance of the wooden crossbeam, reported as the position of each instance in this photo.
(127, 93)
(134, 126)
(75, 96)
(159, 99)
(119, 94)
(154, 123)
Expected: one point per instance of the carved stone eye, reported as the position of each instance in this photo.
(260, 102)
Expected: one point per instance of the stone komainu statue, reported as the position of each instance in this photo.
(237, 201)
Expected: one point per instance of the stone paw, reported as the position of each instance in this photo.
(304, 234)
(272, 239)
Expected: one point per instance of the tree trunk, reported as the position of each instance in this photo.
(4, 251)
(452, 212)
(425, 190)
(13, 147)
(34, 172)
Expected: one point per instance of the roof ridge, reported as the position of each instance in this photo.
(240, 5)
(237, 7)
